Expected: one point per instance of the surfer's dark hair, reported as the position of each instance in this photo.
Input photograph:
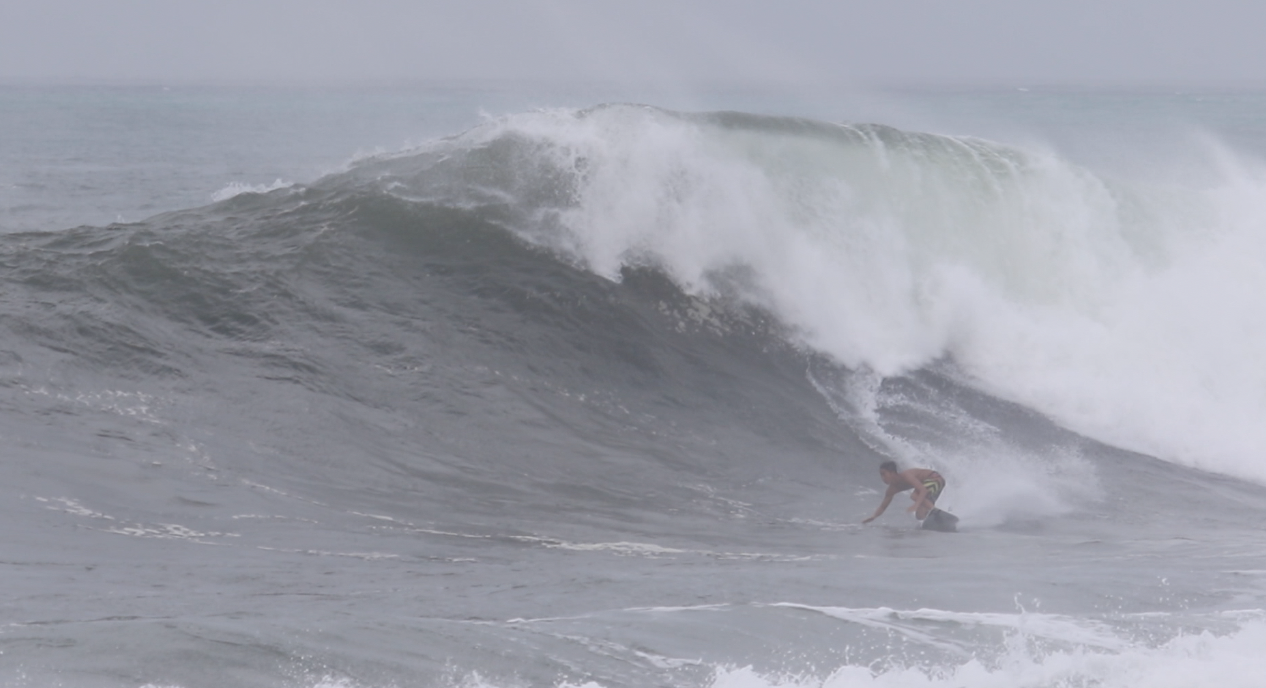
(888, 466)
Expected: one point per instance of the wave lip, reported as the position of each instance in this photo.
(233, 189)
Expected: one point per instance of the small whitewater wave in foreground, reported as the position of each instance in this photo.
(1198, 659)
(1032, 651)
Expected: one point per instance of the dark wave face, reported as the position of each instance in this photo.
(430, 319)
(599, 397)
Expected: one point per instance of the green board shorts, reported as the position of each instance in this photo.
(935, 485)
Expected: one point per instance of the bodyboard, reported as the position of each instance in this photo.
(941, 521)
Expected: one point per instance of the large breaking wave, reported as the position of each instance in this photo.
(1128, 312)
(584, 251)
(586, 394)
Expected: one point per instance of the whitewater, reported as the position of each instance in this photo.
(478, 387)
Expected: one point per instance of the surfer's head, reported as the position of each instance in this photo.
(888, 471)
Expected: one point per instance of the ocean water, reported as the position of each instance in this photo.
(480, 386)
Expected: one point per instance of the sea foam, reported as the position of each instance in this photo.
(1202, 659)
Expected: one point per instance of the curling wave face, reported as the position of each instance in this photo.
(1128, 312)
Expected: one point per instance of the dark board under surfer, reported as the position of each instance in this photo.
(942, 521)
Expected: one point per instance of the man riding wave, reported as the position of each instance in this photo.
(926, 483)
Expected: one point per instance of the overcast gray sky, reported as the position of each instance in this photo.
(870, 42)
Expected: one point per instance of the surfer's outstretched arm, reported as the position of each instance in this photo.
(883, 505)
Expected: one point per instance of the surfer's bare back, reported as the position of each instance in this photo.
(926, 483)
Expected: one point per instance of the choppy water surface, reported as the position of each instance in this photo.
(597, 396)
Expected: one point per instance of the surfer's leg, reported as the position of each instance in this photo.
(933, 488)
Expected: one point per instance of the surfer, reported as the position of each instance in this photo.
(926, 483)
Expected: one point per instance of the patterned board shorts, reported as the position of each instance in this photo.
(934, 484)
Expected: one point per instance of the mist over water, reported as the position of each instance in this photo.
(595, 396)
